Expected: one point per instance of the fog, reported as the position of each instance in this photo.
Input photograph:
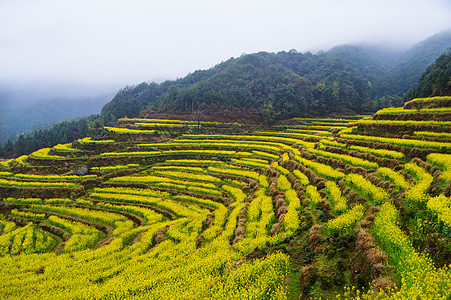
(81, 47)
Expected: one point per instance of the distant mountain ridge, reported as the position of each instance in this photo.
(44, 113)
(344, 79)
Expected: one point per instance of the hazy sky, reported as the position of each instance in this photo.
(120, 42)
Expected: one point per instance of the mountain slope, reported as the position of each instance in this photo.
(18, 120)
(415, 61)
(344, 79)
(436, 81)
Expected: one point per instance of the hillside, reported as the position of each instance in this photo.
(414, 62)
(262, 88)
(42, 114)
(344, 79)
(343, 208)
(436, 80)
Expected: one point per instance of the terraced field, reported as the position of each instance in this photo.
(171, 209)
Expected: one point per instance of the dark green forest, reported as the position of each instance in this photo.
(344, 80)
(60, 133)
(296, 84)
(436, 81)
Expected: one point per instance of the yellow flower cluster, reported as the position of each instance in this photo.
(323, 170)
(236, 172)
(266, 139)
(22, 160)
(133, 191)
(282, 170)
(132, 153)
(53, 177)
(251, 162)
(28, 239)
(332, 144)
(445, 135)
(112, 168)
(373, 193)
(44, 154)
(159, 180)
(313, 195)
(237, 194)
(431, 98)
(188, 175)
(27, 215)
(173, 207)
(166, 125)
(417, 194)
(400, 142)
(180, 168)
(444, 162)
(265, 155)
(379, 152)
(419, 278)
(218, 223)
(408, 122)
(89, 140)
(311, 127)
(65, 147)
(193, 162)
(6, 163)
(283, 184)
(291, 219)
(338, 202)
(316, 132)
(441, 206)
(293, 134)
(344, 222)
(82, 236)
(355, 161)
(147, 214)
(397, 179)
(36, 184)
(127, 130)
(82, 213)
(285, 156)
(303, 179)
(402, 110)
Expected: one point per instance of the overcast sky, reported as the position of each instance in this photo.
(119, 42)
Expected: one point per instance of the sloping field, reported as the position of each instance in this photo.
(172, 209)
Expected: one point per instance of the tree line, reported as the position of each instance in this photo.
(60, 133)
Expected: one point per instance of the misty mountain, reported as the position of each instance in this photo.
(344, 79)
(436, 81)
(411, 65)
(393, 72)
(42, 114)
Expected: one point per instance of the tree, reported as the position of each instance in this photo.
(335, 90)
(95, 127)
(441, 84)
(267, 113)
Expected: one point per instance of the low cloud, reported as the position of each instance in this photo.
(122, 42)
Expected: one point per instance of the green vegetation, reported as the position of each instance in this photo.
(150, 208)
(219, 215)
(436, 80)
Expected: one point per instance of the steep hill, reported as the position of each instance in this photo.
(436, 80)
(414, 62)
(344, 79)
